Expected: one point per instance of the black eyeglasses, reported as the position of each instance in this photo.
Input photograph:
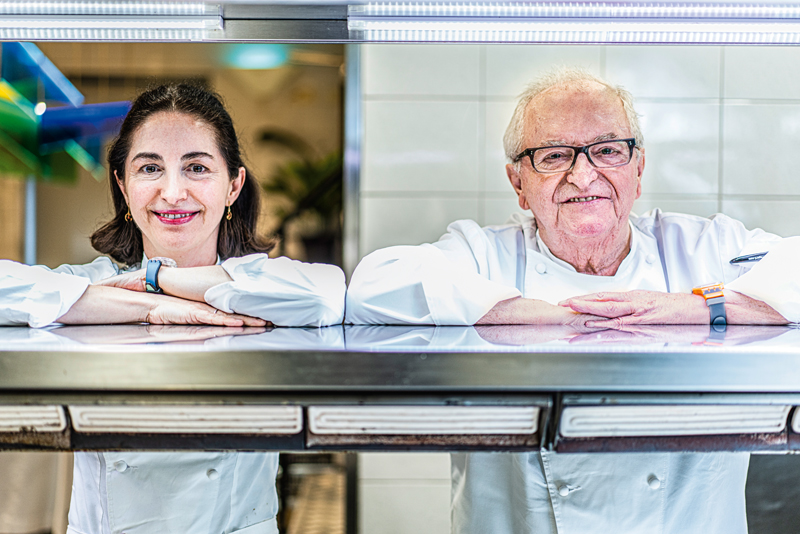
(602, 155)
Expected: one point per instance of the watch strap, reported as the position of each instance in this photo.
(716, 307)
(151, 276)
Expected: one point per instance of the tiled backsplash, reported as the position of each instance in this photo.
(721, 128)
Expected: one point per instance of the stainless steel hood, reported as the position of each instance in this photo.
(336, 21)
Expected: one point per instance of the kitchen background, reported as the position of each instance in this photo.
(721, 127)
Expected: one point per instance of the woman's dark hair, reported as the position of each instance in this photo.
(122, 240)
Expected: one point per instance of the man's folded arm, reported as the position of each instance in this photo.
(420, 285)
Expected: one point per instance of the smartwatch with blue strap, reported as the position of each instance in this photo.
(151, 273)
(151, 276)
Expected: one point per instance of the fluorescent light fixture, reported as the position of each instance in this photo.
(109, 23)
(32, 419)
(577, 22)
(77, 7)
(577, 32)
(108, 20)
(410, 420)
(177, 419)
(671, 420)
(597, 9)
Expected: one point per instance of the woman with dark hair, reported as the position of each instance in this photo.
(185, 230)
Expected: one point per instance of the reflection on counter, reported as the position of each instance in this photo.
(556, 338)
(494, 338)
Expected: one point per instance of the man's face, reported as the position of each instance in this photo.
(584, 202)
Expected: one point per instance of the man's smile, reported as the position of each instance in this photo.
(582, 199)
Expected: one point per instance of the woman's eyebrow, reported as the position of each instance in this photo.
(147, 155)
(192, 155)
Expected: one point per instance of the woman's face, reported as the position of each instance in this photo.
(177, 187)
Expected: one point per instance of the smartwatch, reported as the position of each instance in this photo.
(151, 277)
(151, 273)
(715, 300)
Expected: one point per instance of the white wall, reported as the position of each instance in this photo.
(434, 119)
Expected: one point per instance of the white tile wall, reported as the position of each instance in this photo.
(404, 466)
(496, 118)
(509, 68)
(420, 146)
(776, 216)
(681, 147)
(693, 206)
(404, 493)
(401, 507)
(665, 71)
(446, 70)
(760, 153)
(762, 72)
(410, 221)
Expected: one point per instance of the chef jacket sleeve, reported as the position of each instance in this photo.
(445, 283)
(38, 296)
(775, 279)
(283, 291)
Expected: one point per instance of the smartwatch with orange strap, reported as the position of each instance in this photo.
(715, 300)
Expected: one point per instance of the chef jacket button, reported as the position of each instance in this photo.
(563, 490)
(541, 268)
(120, 466)
(212, 474)
(651, 258)
(653, 482)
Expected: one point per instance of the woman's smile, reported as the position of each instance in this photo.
(175, 217)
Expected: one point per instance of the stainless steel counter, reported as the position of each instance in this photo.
(399, 388)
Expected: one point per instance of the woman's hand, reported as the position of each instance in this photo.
(132, 281)
(640, 307)
(112, 305)
(174, 310)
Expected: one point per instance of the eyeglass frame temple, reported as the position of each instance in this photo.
(631, 142)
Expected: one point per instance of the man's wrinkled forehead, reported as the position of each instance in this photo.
(575, 114)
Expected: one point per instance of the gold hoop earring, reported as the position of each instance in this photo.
(128, 216)
(229, 216)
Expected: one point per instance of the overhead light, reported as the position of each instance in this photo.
(571, 9)
(107, 20)
(577, 22)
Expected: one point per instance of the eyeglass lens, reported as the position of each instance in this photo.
(559, 158)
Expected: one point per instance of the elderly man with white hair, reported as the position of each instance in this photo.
(576, 161)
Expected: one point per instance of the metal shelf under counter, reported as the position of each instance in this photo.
(504, 388)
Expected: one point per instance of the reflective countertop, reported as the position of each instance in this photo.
(397, 359)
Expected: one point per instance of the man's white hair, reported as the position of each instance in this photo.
(563, 77)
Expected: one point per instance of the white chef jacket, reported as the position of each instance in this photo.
(461, 277)
(283, 291)
(182, 493)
